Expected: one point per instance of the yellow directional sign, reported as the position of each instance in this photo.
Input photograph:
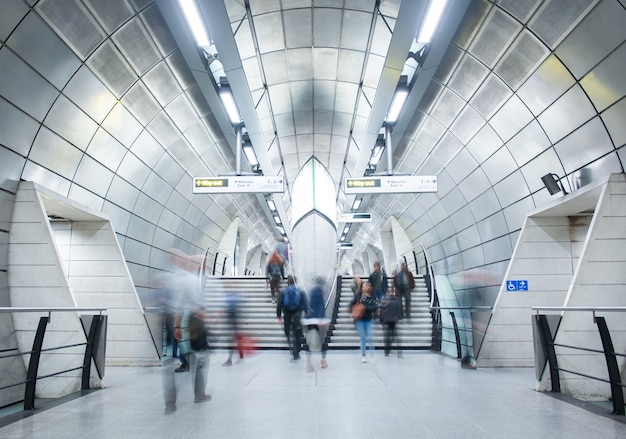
(391, 184)
(362, 182)
(240, 184)
(210, 182)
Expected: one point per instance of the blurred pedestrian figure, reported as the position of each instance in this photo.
(232, 319)
(363, 308)
(390, 315)
(165, 299)
(378, 279)
(275, 272)
(291, 302)
(404, 283)
(189, 328)
(316, 324)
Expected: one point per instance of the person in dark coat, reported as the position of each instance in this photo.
(317, 323)
(275, 273)
(379, 281)
(404, 283)
(291, 317)
(390, 315)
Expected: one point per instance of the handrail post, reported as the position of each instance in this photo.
(456, 335)
(617, 393)
(92, 343)
(548, 345)
(33, 364)
(214, 264)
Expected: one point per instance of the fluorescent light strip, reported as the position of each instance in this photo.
(376, 155)
(195, 22)
(229, 105)
(435, 10)
(357, 203)
(250, 154)
(399, 98)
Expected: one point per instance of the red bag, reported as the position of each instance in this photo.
(246, 344)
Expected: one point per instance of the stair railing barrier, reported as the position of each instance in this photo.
(467, 360)
(545, 350)
(94, 342)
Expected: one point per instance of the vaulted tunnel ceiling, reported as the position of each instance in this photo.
(110, 104)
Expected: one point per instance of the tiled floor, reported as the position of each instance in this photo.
(422, 395)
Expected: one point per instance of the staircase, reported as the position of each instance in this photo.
(414, 333)
(257, 313)
(258, 316)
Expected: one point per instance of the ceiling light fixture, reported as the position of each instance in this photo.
(270, 204)
(356, 204)
(228, 101)
(195, 22)
(553, 183)
(398, 101)
(435, 11)
(250, 154)
(377, 151)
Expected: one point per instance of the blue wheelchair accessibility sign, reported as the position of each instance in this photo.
(517, 285)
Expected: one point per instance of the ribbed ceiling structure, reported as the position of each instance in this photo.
(112, 104)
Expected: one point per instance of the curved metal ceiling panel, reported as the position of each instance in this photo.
(518, 89)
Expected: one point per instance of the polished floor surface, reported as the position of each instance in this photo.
(421, 395)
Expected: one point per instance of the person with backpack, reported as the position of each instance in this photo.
(291, 303)
(274, 273)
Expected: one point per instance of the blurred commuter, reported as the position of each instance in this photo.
(390, 315)
(291, 303)
(404, 283)
(379, 281)
(316, 324)
(165, 299)
(363, 308)
(232, 319)
(189, 328)
(274, 273)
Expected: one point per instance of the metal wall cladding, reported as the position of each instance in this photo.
(97, 103)
(17, 129)
(24, 87)
(594, 38)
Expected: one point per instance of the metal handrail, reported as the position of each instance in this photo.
(547, 346)
(455, 326)
(593, 309)
(461, 307)
(333, 289)
(91, 346)
(51, 309)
